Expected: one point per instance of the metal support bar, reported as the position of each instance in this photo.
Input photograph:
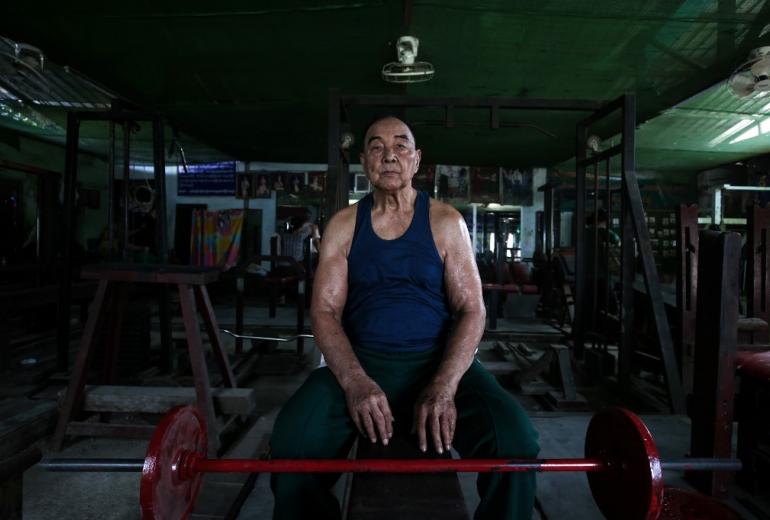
(67, 230)
(716, 339)
(578, 325)
(652, 283)
(758, 267)
(687, 288)
(473, 102)
(159, 167)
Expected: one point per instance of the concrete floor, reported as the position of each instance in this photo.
(83, 496)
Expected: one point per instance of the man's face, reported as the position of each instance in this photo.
(390, 158)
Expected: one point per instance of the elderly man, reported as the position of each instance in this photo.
(398, 314)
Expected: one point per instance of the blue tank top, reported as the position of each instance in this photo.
(396, 297)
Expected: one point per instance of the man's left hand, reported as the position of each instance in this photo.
(435, 412)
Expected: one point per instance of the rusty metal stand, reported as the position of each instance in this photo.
(687, 289)
(107, 304)
(758, 267)
(715, 339)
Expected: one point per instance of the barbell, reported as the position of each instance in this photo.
(621, 461)
(266, 338)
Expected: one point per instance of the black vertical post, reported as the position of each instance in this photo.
(716, 340)
(67, 230)
(548, 246)
(164, 310)
(757, 268)
(652, 283)
(687, 288)
(126, 180)
(606, 251)
(159, 165)
(111, 191)
(332, 202)
(578, 325)
(595, 246)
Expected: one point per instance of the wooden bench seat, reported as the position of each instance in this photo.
(403, 496)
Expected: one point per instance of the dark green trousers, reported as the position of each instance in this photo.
(315, 424)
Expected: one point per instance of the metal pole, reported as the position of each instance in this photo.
(578, 325)
(68, 224)
(200, 465)
(111, 191)
(159, 165)
(126, 177)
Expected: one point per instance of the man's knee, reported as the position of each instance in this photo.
(513, 431)
(517, 442)
(312, 413)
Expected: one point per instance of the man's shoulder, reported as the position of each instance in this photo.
(342, 225)
(441, 212)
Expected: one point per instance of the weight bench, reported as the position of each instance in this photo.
(403, 496)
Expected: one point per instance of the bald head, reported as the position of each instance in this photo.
(375, 129)
(390, 157)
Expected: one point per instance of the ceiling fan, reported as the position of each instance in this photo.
(753, 76)
(406, 69)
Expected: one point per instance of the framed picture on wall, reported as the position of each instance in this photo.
(485, 184)
(245, 186)
(316, 183)
(425, 179)
(262, 185)
(517, 186)
(453, 183)
(278, 181)
(296, 183)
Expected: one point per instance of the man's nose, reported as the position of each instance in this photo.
(389, 155)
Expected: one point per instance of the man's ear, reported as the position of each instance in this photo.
(418, 153)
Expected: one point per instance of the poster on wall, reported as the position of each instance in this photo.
(296, 183)
(453, 183)
(262, 185)
(208, 180)
(517, 186)
(425, 179)
(278, 181)
(316, 183)
(245, 186)
(485, 184)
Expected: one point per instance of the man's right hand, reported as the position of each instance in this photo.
(369, 408)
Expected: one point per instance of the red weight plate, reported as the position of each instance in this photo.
(162, 493)
(679, 504)
(632, 486)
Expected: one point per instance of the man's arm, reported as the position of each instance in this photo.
(435, 409)
(367, 404)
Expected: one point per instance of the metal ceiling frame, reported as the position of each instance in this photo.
(339, 160)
